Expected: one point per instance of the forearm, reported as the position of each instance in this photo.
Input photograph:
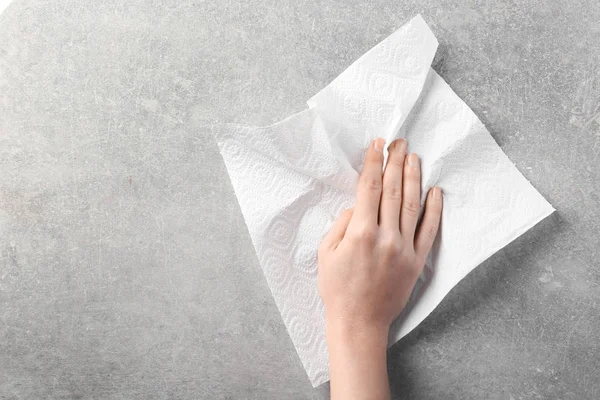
(357, 357)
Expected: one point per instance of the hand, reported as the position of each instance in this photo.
(369, 263)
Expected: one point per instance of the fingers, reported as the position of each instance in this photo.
(411, 196)
(430, 223)
(391, 195)
(368, 192)
(337, 231)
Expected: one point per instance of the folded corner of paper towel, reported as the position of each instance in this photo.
(293, 178)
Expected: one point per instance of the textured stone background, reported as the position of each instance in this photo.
(126, 270)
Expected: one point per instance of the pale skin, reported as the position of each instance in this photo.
(369, 263)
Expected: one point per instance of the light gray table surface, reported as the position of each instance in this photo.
(126, 270)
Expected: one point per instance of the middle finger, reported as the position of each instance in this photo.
(391, 195)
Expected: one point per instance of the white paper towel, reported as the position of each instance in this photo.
(4, 4)
(292, 180)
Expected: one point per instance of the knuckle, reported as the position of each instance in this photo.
(365, 234)
(371, 183)
(390, 245)
(393, 192)
(411, 207)
(431, 231)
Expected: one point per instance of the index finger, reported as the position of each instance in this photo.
(368, 192)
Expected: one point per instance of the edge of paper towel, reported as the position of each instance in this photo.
(545, 211)
(436, 301)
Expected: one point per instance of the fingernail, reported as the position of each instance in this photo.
(437, 193)
(413, 160)
(378, 144)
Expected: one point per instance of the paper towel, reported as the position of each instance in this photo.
(292, 179)
(4, 4)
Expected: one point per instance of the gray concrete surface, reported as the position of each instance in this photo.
(126, 271)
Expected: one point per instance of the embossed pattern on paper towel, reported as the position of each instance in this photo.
(373, 96)
(307, 188)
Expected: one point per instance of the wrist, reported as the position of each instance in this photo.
(346, 332)
(357, 359)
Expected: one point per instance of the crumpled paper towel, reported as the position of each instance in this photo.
(292, 180)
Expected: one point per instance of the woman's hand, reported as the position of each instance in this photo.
(368, 265)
